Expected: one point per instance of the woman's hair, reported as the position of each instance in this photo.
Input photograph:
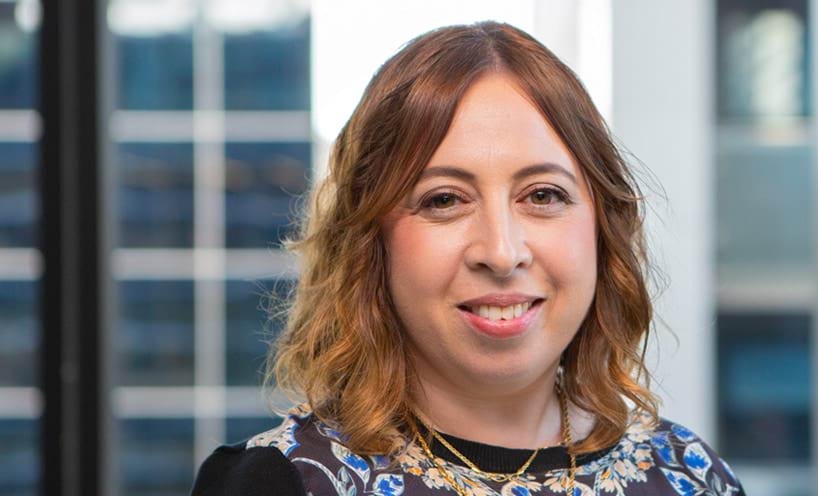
(343, 347)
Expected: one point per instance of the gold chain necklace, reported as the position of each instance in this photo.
(566, 441)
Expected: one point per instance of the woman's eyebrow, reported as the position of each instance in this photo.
(543, 168)
(447, 171)
(457, 172)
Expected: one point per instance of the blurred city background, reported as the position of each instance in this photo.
(223, 111)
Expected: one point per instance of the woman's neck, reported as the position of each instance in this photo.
(525, 417)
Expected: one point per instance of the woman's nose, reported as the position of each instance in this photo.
(498, 244)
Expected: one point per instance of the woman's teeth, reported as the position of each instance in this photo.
(501, 313)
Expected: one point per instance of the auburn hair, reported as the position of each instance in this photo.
(343, 347)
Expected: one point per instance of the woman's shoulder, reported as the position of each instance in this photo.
(318, 451)
(256, 465)
(684, 460)
(235, 469)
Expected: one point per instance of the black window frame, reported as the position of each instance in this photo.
(75, 292)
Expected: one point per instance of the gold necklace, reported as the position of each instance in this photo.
(497, 477)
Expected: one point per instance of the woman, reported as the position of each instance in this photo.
(472, 298)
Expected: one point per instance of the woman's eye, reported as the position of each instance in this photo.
(441, 201)
(547, 196)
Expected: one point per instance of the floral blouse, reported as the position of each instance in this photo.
(304, 456)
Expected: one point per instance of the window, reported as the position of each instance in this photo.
(765, 241)
(212, 150)
(20, 398)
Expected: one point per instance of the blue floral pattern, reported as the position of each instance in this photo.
(650, 459)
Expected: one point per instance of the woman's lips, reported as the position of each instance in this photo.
(502, 328)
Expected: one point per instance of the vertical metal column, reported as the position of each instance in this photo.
(74, 243)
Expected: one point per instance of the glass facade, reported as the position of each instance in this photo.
(268, 69)
(764, 387)
(156, 456)
(765, 192)
(239, 429)
(763, 60)
(209, 181)
(263, 184)
(156, 195)
(19, 457)
(18, 58)
(155, 344)
(155, 72)
(249, 305)
(766, 184)
(18, 200)
(20, 335)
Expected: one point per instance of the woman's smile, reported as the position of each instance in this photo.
(502, 322)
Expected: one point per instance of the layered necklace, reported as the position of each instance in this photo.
(493, 476)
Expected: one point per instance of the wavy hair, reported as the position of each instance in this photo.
(343, 346)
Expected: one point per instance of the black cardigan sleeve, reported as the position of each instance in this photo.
(232, 470)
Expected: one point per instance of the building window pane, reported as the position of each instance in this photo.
(764, 387)
(764, 202)
(19, 458)
(763, 67)
(19, 333)
(18, 199)
(263, 181)
(249, 329)
(269, 69)
(156, 194)
(156, 456)
(155, 341)
(156, 73)
(18, 55)
(242, 428)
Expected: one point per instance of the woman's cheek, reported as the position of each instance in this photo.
(568, 251)
(407, 246)
(582, 252)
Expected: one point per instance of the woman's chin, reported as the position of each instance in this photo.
(505, 376)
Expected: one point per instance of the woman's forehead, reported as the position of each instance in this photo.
(495, 123)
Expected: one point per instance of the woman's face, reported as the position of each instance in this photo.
(492, 255)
